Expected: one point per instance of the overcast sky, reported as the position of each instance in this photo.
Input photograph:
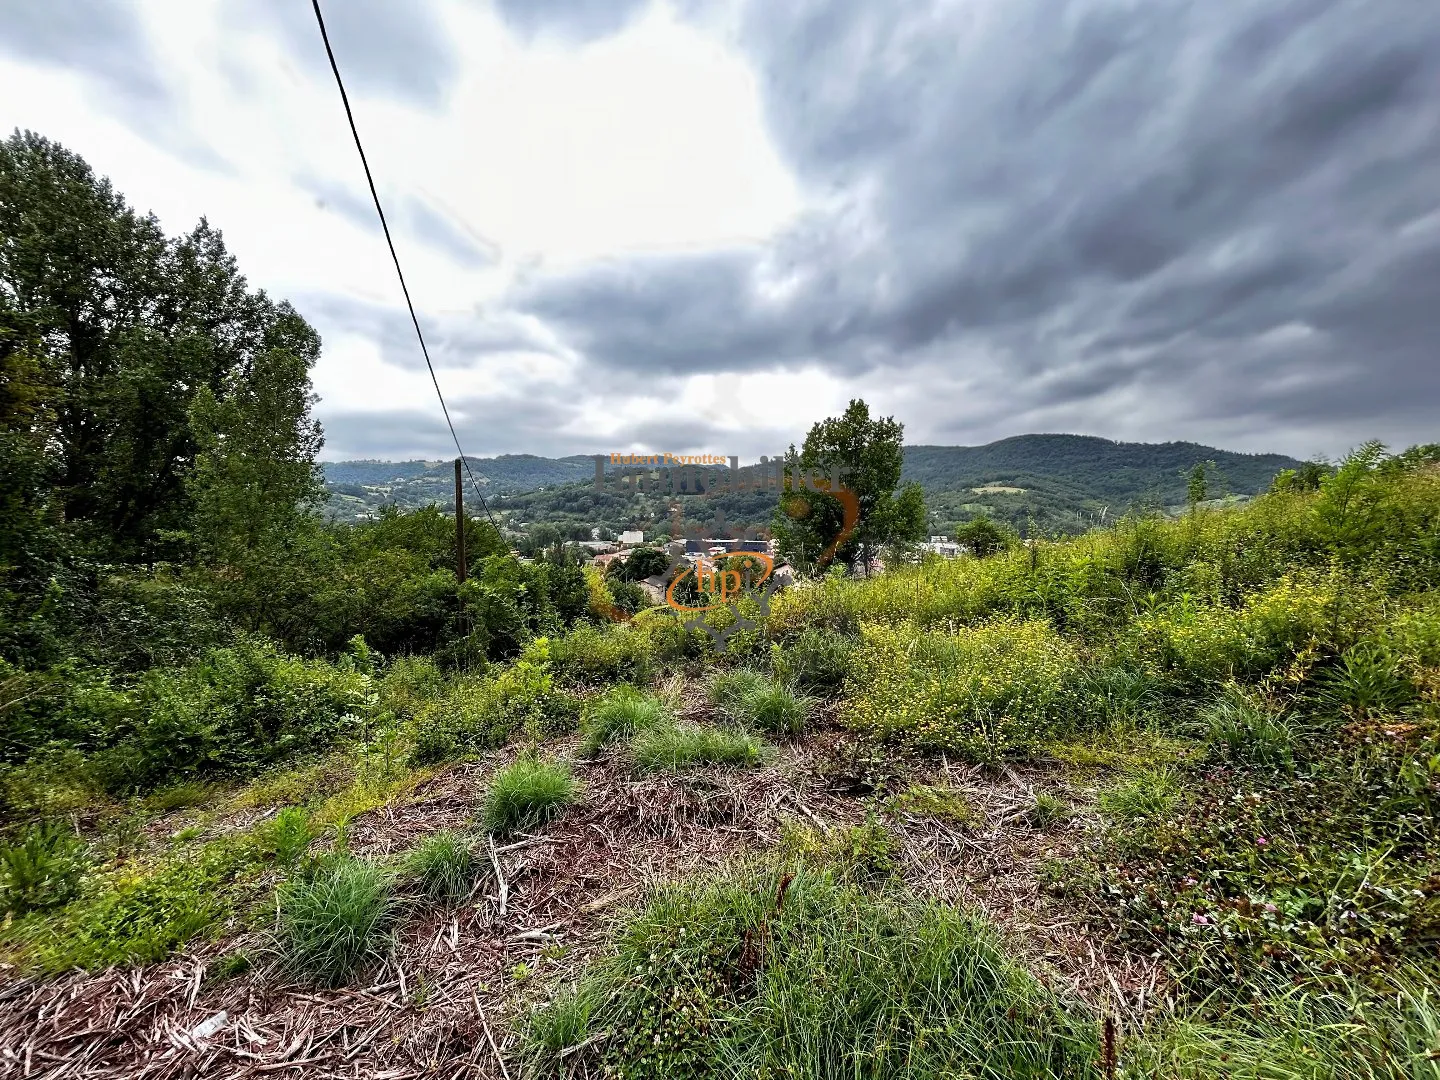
(689, 226)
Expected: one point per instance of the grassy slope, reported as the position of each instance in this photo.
(1233, 720)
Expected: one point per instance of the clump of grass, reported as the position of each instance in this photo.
(942, 802)
(728, 688)
(775, 708)
(444, 864)
(1351, 1031)
(288, 835)
(525, 793)
(1247, 732)
(42, 870)
(562, 1022)
(673, 747)
(1047, 810)
(178, 797)
(619, 714)
(1149, 793)
(817, 660)
(335, 920)
(791, 972)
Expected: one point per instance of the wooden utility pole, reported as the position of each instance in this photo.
(459, 523)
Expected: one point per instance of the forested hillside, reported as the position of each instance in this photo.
(286, 797)
(1051, 483)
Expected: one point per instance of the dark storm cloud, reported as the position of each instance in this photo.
(384, 47)
(1064, 200)
(570, 20)
(489, 425)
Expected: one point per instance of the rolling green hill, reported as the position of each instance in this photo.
(1051, 483)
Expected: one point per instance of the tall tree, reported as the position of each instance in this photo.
(130, 326)
(870, 454)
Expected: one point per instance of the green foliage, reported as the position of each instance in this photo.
(42, 870)
(1047, 810)
(985, 692)
(815, 661)
(748, 697)
(640, 563)
(480, 713)
(1368, 680)
(561, 1023)
(445, 866)
(1151, 793)
(128, 326)
(525, 793)
(137, 916)
(982, 537)
(618, 714)
(794, 973)
(1310, 1032)
(235, 710)
(938, 801)
(1248, 731)
(861, 855)
(673, 747)
(288, 835)
(335, 920)
(869, 453)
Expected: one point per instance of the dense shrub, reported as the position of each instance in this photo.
(986, 691)
(237, 709)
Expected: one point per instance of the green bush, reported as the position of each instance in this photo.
(984, 692)
(335, 920)
(236, 710)
(793, 973)
(42, 870)
(525, 793)
(444, 865)
(728, 688)
(618, 714)
(815, 660)
(748, 697)
(1246, 731)
(136, 918)
(673, 747)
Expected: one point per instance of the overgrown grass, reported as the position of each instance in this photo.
(748, 697)
(674, 747)
(42, 869)
(1247, 731)
(769, 972)
(1389, 1031)
(335, 920)
(618, 714)
(1149, 793)
(525, 793)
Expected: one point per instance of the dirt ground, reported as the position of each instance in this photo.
(442, 1004)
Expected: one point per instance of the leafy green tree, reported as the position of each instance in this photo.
(641, 563)
(869, 456)
(1195, 484)
(129, 326)
(983, 537)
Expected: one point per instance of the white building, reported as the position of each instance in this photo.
(628, 539)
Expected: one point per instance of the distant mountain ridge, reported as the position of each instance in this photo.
(1051, 482)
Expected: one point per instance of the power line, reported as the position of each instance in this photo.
(375, 195)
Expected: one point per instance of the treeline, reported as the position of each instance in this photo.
(159, 492)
